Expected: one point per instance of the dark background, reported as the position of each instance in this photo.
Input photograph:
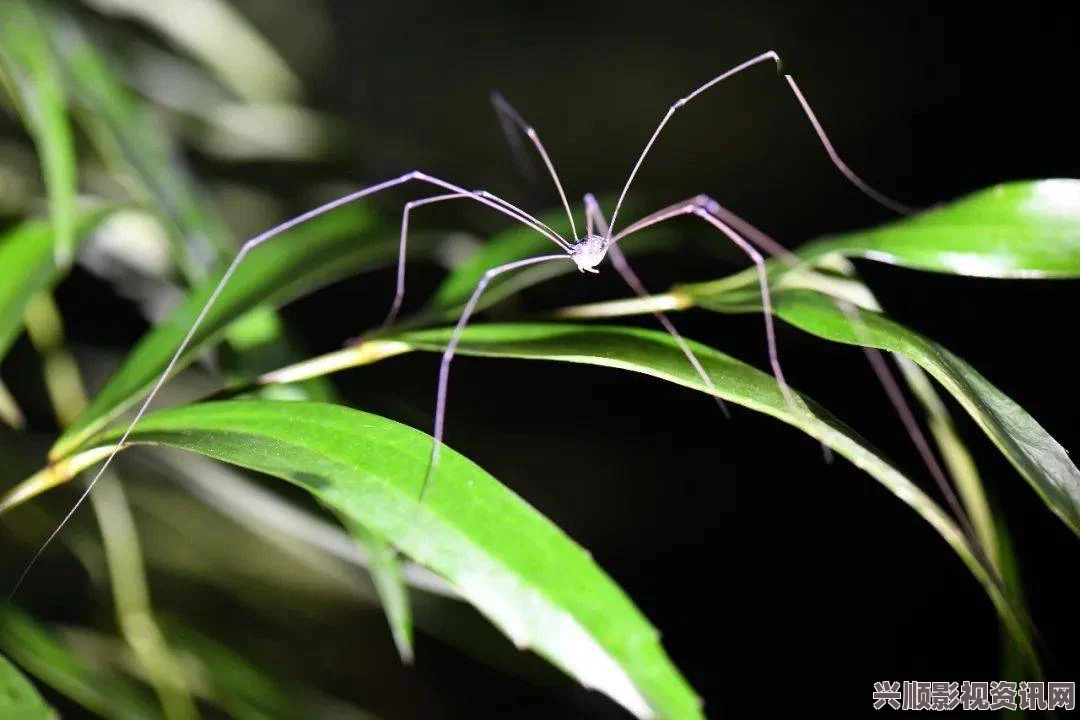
(778, 581)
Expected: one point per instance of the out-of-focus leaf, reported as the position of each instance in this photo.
(513, 244)
(35, 79)
(542, 589)
(236, 51)
(122, 130)
(521, 242)
(19, 700)
(306, 258)
(103, 692)
(218, 676)
(28, 266)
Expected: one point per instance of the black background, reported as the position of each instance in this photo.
(779, 582)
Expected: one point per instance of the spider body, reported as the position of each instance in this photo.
(588, 252)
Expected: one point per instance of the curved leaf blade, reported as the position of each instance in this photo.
(385, 569)
(542, 589)
(1039, 458)
(28, 262)
(30, 67)
(108, 694)
(656, 354)
(118, 123)
(522, 242)
(1025, 229)
(19, 699)
(308, 257)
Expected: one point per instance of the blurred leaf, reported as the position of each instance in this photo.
(28, 263)
(1015, 663)
(10, 413)
(521, 242)
(235, 51)
(306, 258)
(120, 124)
(105, 693)
(542, 589)
(1040, 459)
(243, 689)
(1012, 230)
(131, 601)
(514, 244)
(35, 79)
(19, 699)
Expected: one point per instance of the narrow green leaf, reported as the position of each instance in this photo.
(103, 692)
(1013, 230)
(657, 355)
(28, 266)
(1040, 459)
(146, 158)
(521, 242)
(19, 699)
(30, 69)
(245, 690)
(123, 131)
(543, 590)
(386, 573)
(306, 258)
(513, 244)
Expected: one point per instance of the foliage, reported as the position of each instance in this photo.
(471, 539)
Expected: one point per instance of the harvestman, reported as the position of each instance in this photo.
(587, 252)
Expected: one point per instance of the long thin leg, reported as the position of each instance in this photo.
(448, 355)
(822, 136)
(875, 357)
(622, 266)
(699, 206)
(516, 209)
(500, 205)
(510, 126)
(399, 294)
(720, 214)
(507, 110)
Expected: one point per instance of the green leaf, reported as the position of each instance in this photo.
(19, 699)
(386, 574)
(306, 258)
(122, 128)
(1013, 230)
(29, 265)
(243, 689)
(521, 242)
(100, 691)
(35, 80)
(1040, 459)
(655, 354)
(543, 590)
(514, 244)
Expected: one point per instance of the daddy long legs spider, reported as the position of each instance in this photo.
(587, 251)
